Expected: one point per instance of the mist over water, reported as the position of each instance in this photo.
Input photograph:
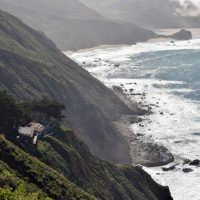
(169, 76)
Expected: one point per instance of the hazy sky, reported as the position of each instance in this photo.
(194, 1)
(190, 7)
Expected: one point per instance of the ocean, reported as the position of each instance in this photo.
(166, 75)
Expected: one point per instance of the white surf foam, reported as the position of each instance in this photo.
(174, 118)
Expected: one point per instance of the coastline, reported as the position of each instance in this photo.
(100, 47)
(142, 151)
(173, 120)
(195, 33)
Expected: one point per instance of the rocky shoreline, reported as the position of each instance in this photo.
(158, 139)
(142, 151)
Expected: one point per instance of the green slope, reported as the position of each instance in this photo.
(13, 187)
(104, 180)
(33, 171)
(31, 67)
(60, 163)
(74, 165)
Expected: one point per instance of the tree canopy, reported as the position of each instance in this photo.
(12, 113)
(47, 109)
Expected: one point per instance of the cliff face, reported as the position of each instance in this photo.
(65, 169)
(32, 67)
(61, 166)
(72, 26)
(100, 178)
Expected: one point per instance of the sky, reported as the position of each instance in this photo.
(190, 7)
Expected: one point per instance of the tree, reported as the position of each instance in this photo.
(14, 114)
(47, 109)
(11, 113)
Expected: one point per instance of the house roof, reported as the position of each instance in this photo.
(36, 126)
(31, 128)
(26, 131)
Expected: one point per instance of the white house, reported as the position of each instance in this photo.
(31, 130)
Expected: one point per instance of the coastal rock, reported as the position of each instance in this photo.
(182, 35)
(166, 169)
(195, 162)
(143, 153)
(187, 170)
(186, 161)
(117, 88)
(116, 65)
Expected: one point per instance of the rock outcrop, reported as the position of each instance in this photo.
(195, 162)
(182, 35)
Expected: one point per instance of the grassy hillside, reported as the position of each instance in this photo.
(37, 173)
(13, 187)
(59, 164)
(104, 180)
(32, 67)
(72, 162)
(72, 26)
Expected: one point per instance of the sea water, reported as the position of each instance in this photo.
(165, 75)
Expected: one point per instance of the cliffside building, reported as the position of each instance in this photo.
(31, 132)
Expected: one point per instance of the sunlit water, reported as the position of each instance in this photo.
(169, 76)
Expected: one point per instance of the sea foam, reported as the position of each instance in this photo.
(165, 74)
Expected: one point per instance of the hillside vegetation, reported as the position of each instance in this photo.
(98, 178)
(34, 171)
(59, 160)
(59, 164)
(31, 67)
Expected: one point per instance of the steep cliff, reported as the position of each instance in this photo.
(65, 169)
(32, 67)
(61, 166)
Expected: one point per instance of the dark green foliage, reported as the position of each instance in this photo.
(47, 109)
(13, 187)
(73, 162)
(66, 154)
(34, 171)
(20, 193)
(12, 114)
